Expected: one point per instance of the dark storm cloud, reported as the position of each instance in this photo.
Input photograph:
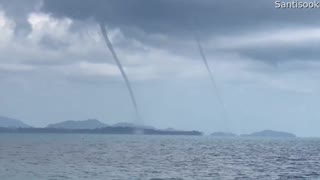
(178, 16)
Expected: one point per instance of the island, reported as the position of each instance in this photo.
(105, 130)
(90, 126)
(270, 134)
(84, 124)
(6, 122)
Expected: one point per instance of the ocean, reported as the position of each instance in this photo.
(137, 157)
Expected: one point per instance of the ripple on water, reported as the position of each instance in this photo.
(156, 158)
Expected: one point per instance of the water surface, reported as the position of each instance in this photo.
(116, 157)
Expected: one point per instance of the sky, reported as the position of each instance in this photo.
(55, 66)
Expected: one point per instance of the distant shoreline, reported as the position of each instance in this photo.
(106, 130)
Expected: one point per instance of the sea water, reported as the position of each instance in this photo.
(123, 157)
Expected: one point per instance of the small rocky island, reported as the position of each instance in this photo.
(260, 134)
(270, 134)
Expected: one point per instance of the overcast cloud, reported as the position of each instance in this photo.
(54, 65)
